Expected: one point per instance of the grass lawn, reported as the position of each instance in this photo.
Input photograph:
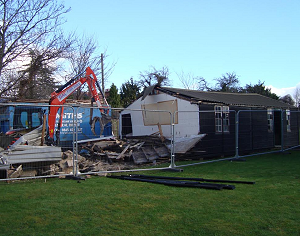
(105, 206)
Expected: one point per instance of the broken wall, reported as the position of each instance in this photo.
(146, 114)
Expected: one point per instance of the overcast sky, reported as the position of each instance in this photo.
(256, 39)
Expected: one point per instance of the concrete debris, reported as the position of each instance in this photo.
(27, 161)
(32, 138)
(29, 173)
(139, 151)
(110, 155)
(84, 165)
(26, 158)
(29, 154)
(15, 173)
(185, 144)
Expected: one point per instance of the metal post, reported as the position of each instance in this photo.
(75, 144)
(172, 140)
(102, 74)
(237, 134)
(282, 129)
(120, 126)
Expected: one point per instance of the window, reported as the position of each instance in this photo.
(30, 120)
(222, 119)
(288, 120)
(27, 117)
(24, 119)
(270, 115)
(218, 118)
(225, 118)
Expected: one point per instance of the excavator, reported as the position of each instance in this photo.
(58, 98)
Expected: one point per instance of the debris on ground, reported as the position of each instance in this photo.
(27, 156)
(141, 150)
(84, 165)
(22, 160)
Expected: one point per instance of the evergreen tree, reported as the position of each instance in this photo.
(287, 99)
(114, 99)
(37, 81)
(228, 82)
(260, 88)
(129, 92)
(26, 25)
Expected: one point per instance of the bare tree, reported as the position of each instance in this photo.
(203, 85)
(108, 67)
(86, 54)
(188, 80)
(226, 83)
(24, 24)
(154, 76)
(297, 97)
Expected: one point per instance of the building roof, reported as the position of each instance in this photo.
(233, 99)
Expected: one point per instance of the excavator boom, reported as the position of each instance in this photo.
(58, 98)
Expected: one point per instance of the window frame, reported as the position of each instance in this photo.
(288, 120)
(222, 121)
(270, 119)
(226, 121)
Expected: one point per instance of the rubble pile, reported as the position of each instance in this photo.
(111, 155)
(84, 165)
(140, 150)
(104, 155)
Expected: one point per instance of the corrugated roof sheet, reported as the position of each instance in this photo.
(235, 99)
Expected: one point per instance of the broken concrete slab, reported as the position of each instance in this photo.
(26, 154)
(29, 173)
(16, 173)
(184, 144)
(33, 138)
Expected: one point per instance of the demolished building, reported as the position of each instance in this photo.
(211, 116)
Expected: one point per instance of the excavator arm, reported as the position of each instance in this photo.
(58, 98)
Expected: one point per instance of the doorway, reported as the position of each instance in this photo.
(126, 124)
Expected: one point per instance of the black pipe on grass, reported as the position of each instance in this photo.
(196, 179)
(177, 183)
